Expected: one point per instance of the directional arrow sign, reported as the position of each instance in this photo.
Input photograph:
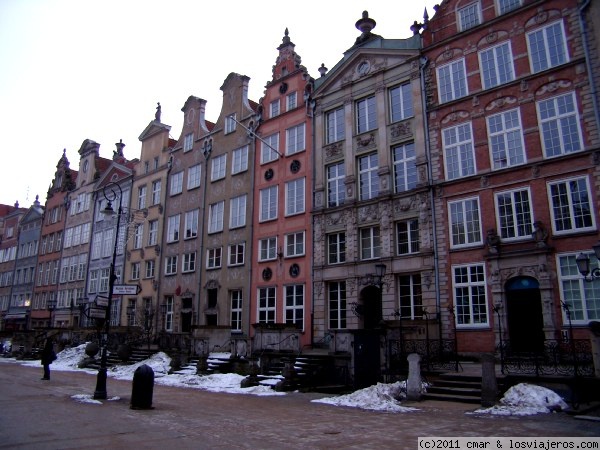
(126, 289)
(97, 313)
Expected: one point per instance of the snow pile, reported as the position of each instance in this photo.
(525, 400)
(381, 397)
(159, 363)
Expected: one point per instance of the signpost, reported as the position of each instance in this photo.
(126, 289)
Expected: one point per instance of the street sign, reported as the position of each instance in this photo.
(101, 301)
(126, 289)
(97, 313)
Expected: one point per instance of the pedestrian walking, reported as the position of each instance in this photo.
(48, 356)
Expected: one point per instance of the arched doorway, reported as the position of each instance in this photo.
(370, 299)
(524, 314)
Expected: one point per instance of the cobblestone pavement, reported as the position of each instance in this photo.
(36, 414)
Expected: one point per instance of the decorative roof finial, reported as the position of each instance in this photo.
(322, 69)
(157, 114)
(366, 24)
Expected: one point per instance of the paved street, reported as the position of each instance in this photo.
(37, 414)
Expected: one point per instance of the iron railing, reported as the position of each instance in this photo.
(436, 354)
(555, 357)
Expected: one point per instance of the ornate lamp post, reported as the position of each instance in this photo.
(583, 264)
(110, 194)
(148, 319)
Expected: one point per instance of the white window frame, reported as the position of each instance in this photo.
(469, 16)
(171, 265)
(194, 176)
(496, 65)
(295, 197)
(173, 223)
(274, 108)
(370, 243)
(237, 302)
(236, 254)
(293, 312)
(215, 217)
(368, 176)
(336, 188)
(401, 104)
(156, 188)
(188, 263)
(291, 101)
(407, 237)
(294, 244)
(237, 212)
(366, 114)
(152, 232)
(295, 139)
(514, 214)
(191, 224)
(335, 125)
(576, 292)
(469, 282)
(142, 190)
(568, 223)
(230, 123)
(214, 258)
(452, 81)
(266, 305)
(218, 167)
(505, 6)
(336, 248)
(555, 116)
(546, 60)
(505, 139)
(267, 248)
(465, 215)
(188, 142)
(459, 151)
(268, 204)
(405, 167)
(268, 143)
(239, 160)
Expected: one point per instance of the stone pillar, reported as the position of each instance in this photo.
(489, 386)
(595, 338)
(413, 384)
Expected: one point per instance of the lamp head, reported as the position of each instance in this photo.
(109, 211)
(583, 264)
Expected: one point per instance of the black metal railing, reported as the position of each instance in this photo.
(436, 354)
(554, 357)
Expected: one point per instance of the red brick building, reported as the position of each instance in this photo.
(513, 140)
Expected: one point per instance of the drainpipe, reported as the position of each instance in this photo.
(586, 50)
(206, 150)
(311, 112)
(423, 64)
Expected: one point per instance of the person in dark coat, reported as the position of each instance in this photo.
(48, 356)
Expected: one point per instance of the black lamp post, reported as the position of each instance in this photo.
(51, 306)
(110, 194)
(497, 308)
(583, 264)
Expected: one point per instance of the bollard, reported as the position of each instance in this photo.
(143, 387)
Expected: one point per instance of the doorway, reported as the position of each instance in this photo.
(524, 314)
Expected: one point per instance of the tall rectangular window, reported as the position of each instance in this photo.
(366, 115)
(213, 258)
(368, 177)
(294, 306)
(237, 212)
(469, 16)
(150, 266)
(559, 122)
(411, 302)
(370, 243)
(141, 197)
(266, 305)
(173, 228)
(335, 125)
(470, 295)
(236, 310)
(582, 297)
(267, 249)
(291, 101)
(336, 248)
(236, 254)
(295, 139)
(496, 65)
(515, 220)
(274, 108)
(269, 148)
(169, 301)
(294, 244)
(459, 153)
(189, 262)
(294, 197)
(138, 235)
(135, 271)
(191, 224)
(452, 81)
(153, 232)
(505, 6)
(407, 236)
(547, 47)
(506, 139)
(215, 217)
(156, 187)
(188, 142)
(239, 160)
(401, 104)
(219, 164)
(336, 194)
(171, 265)
(405, 167)
(230, 123)
(268, 203)
(571, 208)
(336, 295)
(193, 180)
(465, 223)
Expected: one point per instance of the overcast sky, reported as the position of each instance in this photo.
(72, 70)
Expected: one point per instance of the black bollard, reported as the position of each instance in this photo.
(143, 387)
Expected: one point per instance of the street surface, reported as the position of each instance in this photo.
(36, 414)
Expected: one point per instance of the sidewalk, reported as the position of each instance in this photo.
(42, 415)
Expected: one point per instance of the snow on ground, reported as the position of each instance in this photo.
(522, 399)
(381, 397)
(525, 400)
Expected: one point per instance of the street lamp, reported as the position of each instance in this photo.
(583, 264)
(51, 306)
(110, 194)
(148, 319)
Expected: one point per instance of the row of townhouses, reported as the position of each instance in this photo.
(440, 188)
